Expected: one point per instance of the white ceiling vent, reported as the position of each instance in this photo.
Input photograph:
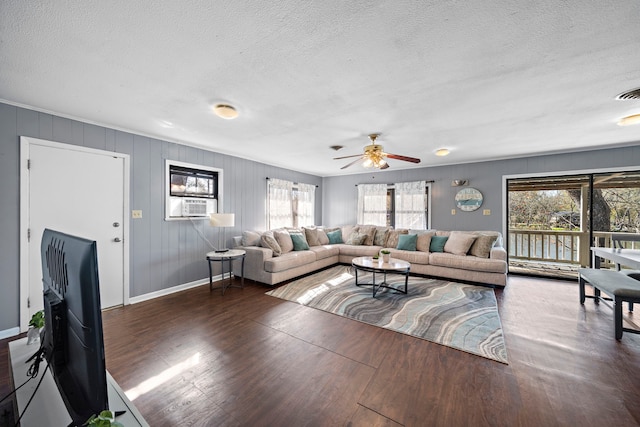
(631, 94)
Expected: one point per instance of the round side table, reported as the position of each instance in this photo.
(228, 256)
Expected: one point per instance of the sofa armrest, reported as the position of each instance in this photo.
(498, 252)
(256, 256)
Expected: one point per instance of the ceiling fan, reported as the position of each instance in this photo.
(374, 156)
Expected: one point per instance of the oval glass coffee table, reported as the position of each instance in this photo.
(370, 265)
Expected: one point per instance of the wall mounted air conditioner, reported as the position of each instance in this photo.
(191, 207)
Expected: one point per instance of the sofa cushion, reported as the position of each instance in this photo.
(407, 242)
(380, 239)
(369, 231)
(482, 245)
(289, 260)
(325, 251)
(356, 239)
(322, 237)
(284, 240)
(269, 241)
(299, 242)
(437, 243)
(414, 257)
(311, 234)
(464, 262)
(424, 241)
(346, 231)
(251, 238)
(355, 251)
(392, 239)
(335, 236)
(459, 243)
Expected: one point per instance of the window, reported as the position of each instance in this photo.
(290, 204)
(192, 191)
(400, 205)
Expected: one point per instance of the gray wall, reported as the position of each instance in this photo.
(166, 254)
(163, 253)
(340, 193)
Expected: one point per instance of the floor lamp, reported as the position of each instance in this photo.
(222, 220)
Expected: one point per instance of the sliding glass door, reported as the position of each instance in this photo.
(553, 220)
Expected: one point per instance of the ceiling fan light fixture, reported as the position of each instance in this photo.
(225, 111)
(629, 120)
(441, 152)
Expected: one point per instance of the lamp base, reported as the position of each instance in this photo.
(218, 251)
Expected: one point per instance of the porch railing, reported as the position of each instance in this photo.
(557, 246)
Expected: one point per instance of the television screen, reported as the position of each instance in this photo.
(72, 337)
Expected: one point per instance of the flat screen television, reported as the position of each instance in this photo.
(72, 337)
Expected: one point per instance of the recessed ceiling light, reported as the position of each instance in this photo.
(629, 120)
(442, 152)
(225, 111)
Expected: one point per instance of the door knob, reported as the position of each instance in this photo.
(117, 239)
(116, 224)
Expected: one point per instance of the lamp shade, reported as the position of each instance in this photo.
(222, 219)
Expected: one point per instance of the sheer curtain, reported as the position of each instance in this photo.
(411, 205)
(280, 206)
(304, 209)
(372, 204)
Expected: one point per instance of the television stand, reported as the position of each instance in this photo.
(47, 407)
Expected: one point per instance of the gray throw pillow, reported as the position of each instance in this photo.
(482, 246)
(459, 243)
(356, 239)
(251, 238)
(311, 234)
(269, 241)
(323, 239)
(284, 240)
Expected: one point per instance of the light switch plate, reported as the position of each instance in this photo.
(453, 211)
(486, 212)
(137, 214)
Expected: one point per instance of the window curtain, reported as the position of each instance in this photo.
(280, 207)
(304, 208)
(372, 204)
(411, 205)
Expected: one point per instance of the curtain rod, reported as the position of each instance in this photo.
(389, 184)
(295, 183)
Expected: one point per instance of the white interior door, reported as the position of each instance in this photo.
(79, 192)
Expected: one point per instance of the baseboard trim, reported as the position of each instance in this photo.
(172, 290)
(7, 333)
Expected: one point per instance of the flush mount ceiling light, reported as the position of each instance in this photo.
(442, 152)
(225, 111)
(629, 120)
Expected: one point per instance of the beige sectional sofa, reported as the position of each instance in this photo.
(470, 256)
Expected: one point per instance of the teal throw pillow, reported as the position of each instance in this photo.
(335, 237)
(407, 242)
(299, 242)
(437, 243)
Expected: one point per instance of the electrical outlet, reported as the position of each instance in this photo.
(453, 211)
(136, 214)
(486, 212)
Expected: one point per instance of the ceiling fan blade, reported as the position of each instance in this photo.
(354, 162)
(346, 157)
(404, 158)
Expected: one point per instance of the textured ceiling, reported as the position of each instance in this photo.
(487, 80)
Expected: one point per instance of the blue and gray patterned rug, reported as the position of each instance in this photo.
(457, 315)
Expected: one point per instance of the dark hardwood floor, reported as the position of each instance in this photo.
(248, 359)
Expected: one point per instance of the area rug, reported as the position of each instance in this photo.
(457, 315)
